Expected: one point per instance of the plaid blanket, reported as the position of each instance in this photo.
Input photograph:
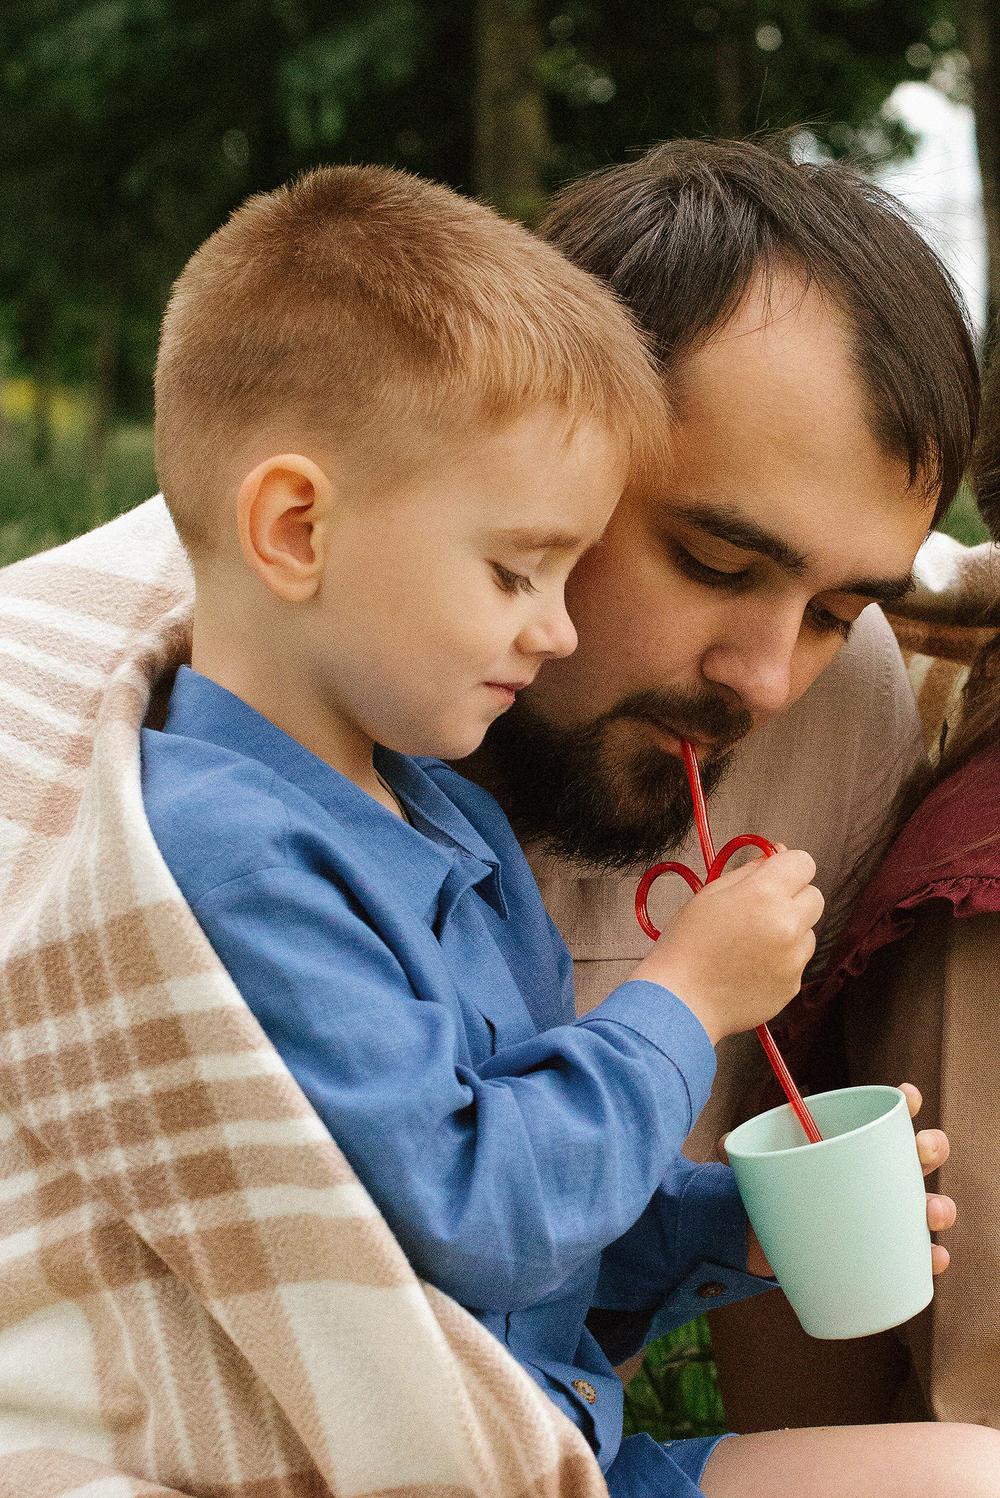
(198, 1297)
(952, 613)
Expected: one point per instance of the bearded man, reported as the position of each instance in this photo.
(826, 393)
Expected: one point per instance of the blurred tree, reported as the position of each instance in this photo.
(981, 34)
(624, 74)
(512, 147)
(129, 128)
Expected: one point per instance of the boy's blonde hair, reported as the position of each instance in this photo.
(359, 301)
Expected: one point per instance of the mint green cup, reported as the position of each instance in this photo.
(843, 1223)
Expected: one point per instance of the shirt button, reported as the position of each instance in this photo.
(711, 1289)
(586, 1391)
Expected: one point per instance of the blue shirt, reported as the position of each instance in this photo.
(409, 977)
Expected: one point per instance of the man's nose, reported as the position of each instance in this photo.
(549, 632)
(755, 662)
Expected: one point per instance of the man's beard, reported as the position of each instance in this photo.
(614, 800)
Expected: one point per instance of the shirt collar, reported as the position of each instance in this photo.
(441, 842)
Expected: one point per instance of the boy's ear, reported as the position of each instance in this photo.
(282, 515)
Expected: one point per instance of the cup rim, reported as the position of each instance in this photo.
(794, 1149)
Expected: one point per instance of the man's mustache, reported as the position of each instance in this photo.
(705, 719)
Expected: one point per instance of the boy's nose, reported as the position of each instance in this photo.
(550, 633)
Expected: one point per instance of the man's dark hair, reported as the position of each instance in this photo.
(683, 232)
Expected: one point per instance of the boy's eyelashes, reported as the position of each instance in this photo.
(512, 582)
(821, 619)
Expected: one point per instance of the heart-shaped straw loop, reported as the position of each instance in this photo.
(715, 863)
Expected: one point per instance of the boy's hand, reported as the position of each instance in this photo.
(735, 952)
(933, 1150)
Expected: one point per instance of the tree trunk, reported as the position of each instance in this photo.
(982, 44)
(511, 142)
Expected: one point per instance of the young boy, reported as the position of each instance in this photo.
(388, 423)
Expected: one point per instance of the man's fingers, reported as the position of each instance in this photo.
(913, 1099)
(933, 1149)
(941, 1213)
(940, 1258)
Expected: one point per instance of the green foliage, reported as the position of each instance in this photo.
(623, 75)
(130, 128)
(42, 508)
(963, 520)
(675, 1394)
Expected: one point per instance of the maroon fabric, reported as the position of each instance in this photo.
(949, 850)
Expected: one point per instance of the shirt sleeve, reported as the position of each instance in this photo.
(686, 1254)
(501, 1180)
(886, 752)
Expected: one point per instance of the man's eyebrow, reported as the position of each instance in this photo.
(879, 589)
(727, 524)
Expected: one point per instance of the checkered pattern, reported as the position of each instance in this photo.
(938, 654)
(197, 1295)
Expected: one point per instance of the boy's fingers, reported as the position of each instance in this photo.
(733, 876)
(933, 1148)
(720, 1149)
(809, 903)
(788, 872)
(785, 874)
(795, 869)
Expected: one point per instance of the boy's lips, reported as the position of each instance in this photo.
(509, 689)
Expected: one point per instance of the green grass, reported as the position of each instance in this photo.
(40, 508)
(675, 1394)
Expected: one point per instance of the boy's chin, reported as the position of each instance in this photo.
(449, 744)
(458, 745)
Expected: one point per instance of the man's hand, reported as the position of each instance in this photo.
(933, 1150)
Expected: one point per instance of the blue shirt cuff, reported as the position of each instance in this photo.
(707, 1288)
(711, 1220)
(665, 1021)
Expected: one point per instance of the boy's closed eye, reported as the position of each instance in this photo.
(509, 581)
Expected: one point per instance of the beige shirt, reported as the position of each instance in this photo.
(825, 776)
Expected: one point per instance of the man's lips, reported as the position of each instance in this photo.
(671, 742)
(669, 739)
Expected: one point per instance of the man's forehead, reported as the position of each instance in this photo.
(786, 339)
